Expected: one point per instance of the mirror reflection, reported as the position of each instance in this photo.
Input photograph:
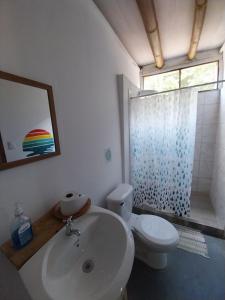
(25, 122)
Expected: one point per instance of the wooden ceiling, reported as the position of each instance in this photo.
(156, 30)
(149, 18)
(200, 11)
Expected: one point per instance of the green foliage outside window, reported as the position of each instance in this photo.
(183, 78)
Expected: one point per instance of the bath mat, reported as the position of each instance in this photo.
(192, 241)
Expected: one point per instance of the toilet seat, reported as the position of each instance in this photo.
(155, 231)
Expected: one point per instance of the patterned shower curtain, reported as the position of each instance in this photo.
(162, 139)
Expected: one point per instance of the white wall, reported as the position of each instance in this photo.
(218, 182)
(69, 45)
(206, 129)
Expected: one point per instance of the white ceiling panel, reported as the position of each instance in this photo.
(213, 33)
(126, 21)
(175, 19)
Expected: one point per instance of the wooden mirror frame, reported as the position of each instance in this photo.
(3, 162)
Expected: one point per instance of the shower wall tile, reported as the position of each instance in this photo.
(195, 172)
(201, 98)
(209, 132)
(207, 151)
(210, 114)
(205, 169)
(220, 135)
(205, 139)
(194, 184)
(217, 191)
(211, 97)
(198, 135)
(204, 185)
(200, 113)
(197, 150)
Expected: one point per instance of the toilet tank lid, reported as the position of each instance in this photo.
(120, 193)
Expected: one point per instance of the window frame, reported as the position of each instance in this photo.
(187, 67)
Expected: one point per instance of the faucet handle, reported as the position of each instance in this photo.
(68, 221)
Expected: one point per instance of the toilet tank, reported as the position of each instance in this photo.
(120, 200)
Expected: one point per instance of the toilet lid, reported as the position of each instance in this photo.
(156, 229)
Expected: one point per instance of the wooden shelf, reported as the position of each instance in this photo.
(43, 229)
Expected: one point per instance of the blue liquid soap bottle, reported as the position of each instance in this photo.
(21, 228)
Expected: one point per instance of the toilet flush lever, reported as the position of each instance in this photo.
(122, 204)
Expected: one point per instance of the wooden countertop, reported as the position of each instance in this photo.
(43, 230)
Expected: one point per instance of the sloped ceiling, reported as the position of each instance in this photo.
(175, 19)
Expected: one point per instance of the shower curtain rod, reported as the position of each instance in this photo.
(182, 88)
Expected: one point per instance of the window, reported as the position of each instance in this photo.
(200, 74)
(162, 82)
(184, 77)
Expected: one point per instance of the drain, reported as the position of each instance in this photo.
(88, 266)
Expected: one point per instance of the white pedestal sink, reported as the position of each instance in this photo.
(96, 268)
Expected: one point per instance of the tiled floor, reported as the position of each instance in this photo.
(188, 276)
(202, 211)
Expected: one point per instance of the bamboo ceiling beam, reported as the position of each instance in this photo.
(200, 10)
(147, 10)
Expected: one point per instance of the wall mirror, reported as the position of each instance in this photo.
(28, 128)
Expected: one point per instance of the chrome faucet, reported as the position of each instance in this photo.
(69, 228)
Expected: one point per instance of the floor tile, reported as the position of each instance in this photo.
(187, 277)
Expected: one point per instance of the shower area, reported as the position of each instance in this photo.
(177, 152)
(173, 155)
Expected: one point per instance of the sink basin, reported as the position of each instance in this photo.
(95, 267)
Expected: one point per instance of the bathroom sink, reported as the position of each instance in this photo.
(94, 266)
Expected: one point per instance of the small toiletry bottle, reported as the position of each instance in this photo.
(21, 228)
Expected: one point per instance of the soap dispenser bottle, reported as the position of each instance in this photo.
(21, 228)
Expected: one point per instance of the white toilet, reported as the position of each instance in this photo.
(154, 236)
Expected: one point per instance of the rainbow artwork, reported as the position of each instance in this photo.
(38, 142)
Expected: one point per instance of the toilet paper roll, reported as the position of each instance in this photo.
(72, 202)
